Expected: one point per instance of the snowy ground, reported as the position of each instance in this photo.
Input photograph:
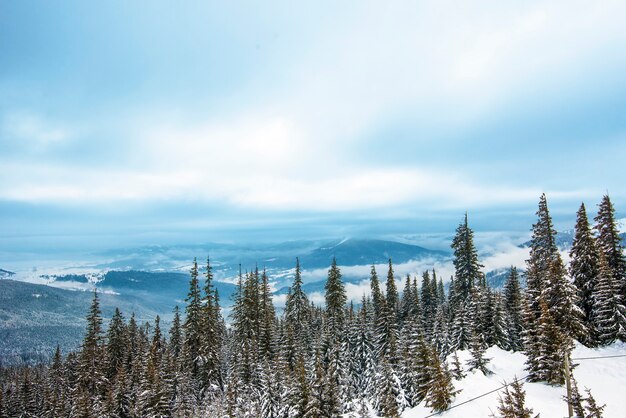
(605, 377)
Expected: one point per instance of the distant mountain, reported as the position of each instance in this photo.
(355, 252)
(35, 318)
(226, 258)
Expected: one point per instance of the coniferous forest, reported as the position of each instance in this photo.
(393, 350)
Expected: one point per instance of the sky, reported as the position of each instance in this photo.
(147, 122)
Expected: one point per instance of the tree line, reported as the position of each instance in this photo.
(392, 350)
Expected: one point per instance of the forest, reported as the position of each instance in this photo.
(392, 350)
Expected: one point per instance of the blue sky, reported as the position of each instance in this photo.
(148, 121)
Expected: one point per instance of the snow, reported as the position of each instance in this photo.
(605, 377)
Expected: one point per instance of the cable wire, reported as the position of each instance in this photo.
(516, 380)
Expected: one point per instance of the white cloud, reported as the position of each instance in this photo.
(33, 130)
(449, 63)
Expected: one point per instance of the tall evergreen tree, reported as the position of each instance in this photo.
(297, 310)
(441, 390)
(513, 310)
(268, 315)
(91, 373)
(608, 312)
(193, 324)
(610, 243)
(211, 337)
(176, 334)
(335, 300)
(584, 270)
(543, 254)
(392, 291)
(466, 265)
(377, 296)
(117, 343)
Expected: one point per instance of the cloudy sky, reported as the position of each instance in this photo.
(156, 121)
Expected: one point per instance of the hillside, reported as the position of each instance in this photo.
(35, 318)
(605, 378)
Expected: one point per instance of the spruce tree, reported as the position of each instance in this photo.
(553, 345)
(466, 265)
(584, 270)
(388, 391)
(392, 292)
(210, 335)
(117, 343)
(297, 310)
(608, 311)
(478, 361)
(193, 324)
(91, 373)
(335, 300)
(441, 390)
(609, 242)
(457, 368)
(176, 334)
(543, 255)
(409, 304)
(593, 409)
(513, 310)
(513, 403)
(268, 315)
(377, 296)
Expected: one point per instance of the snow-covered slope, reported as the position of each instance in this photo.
(605, 377)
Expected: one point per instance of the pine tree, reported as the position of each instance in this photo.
(154, 395)
(609, 243)
(466, 265)
(441, 390)
(270, 398)
(297, 312)
(176, 336)
(513, 310)
(210, 335)
(562, 300)
(317, 407)
(377, 296)
(361, 355)
(553, 344)
(335, 300)
(584, 270)
(460, 329)
(512, 404)
(594, 410)
(388, 390)
(608, 312)
(457, 368)
(119, 402)
(193, 324)
(91, 374)
(268, 316)
(543, 255)
(117, 343)
(477, 350)
(301, 396)
(500, 331)
(392, 292)
(428, 304)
